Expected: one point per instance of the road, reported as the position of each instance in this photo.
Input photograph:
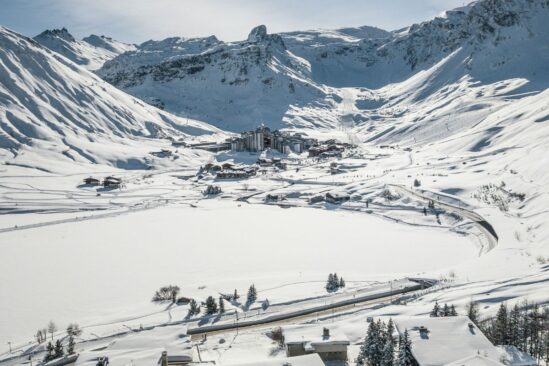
(312, 312)
(484, 225)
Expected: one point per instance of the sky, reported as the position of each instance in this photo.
(136, 21)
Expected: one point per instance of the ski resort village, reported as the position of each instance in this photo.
(335, 196)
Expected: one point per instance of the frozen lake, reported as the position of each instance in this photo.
(105, 269)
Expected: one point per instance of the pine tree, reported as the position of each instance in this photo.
(388, 357)
(50, 355)
(58, 349)
(211, 306)
(453, 311)
(445, 310)
(252, 295)
(221, 305)
(194, 309)
(436, 310)
(330, 283)
(389, 346)
(236, 296)
(369, 346)
(501, 326)
(341, 282)
(473, 312)
(514, 326)
(70, 346)
(405, 357)
(336, 281)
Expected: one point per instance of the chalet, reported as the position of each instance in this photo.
(451, 340)
(337, 198)
(112, 182)
(309, 340)
(90, 181)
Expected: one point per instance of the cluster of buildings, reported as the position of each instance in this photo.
(108, 182)
(263, 138)
(229, 171)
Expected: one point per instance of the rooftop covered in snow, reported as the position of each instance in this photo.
(447, 340)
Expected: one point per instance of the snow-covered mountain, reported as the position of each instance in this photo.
(294, 79)
(235, 86)
(91, 52)
(52, 108)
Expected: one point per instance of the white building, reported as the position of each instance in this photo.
(302, 340)
(452, 341)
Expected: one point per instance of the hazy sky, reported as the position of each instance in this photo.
(140, 20)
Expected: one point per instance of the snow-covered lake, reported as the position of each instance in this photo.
(107, 269)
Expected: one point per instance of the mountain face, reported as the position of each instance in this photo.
(235, 85)
(91, 52)
(51, 107)
(298, 79)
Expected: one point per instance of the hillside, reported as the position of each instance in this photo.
(61, 112)
(295, 79)
(91, 52)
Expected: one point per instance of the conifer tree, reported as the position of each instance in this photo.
(194, 309)
(436, 310)
(473, 312)
(211, 306)
(221, 305)
(50, 352)
(236, 296)
(70, 346)
(405, 357)
(453, 311)
(252, 295)
(500, 327)
(341, 282)
(58, 352)
(445, 310)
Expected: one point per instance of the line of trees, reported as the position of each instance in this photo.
(334, 282)
(443, 311)
(525, 327)
(382, 348)
(57, 350)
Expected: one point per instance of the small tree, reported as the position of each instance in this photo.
(453, 311)
(445, 310)
(473, 312)
(52, 328)
(417, 183)
(194, 309)
(436, 310)
(74, 330)
(58, 351)
(236, 296)
(252, 295)
(50, 352)
(221, 305)
(341, 282)
(70, 346)
(211, 306)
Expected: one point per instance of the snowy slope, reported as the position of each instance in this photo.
(52, 106)
(91, 52)
(234, 86)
